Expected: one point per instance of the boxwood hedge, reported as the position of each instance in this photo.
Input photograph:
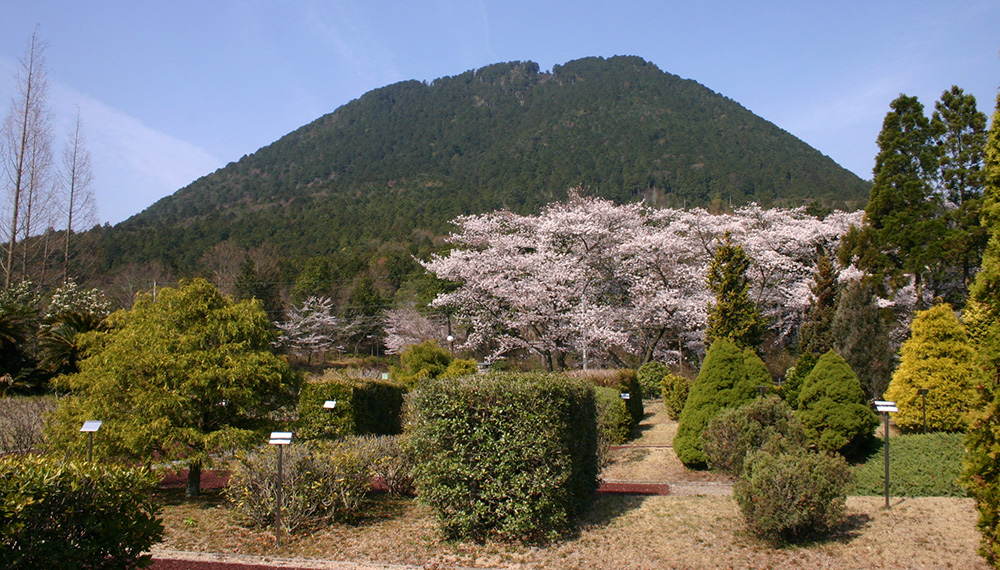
(511, 457)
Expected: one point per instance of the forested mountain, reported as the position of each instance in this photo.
(403, 160)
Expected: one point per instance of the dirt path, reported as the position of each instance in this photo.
(651, 458)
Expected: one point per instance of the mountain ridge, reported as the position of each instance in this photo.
(408, 157)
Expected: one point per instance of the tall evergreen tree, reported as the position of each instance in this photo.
(815, 336)
(733, 315)
(982, 318)
(861, 338)
(902, 232)
(961, 139)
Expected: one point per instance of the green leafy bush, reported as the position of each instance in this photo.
(426, 361)
(614, 424)
(832, 407)
(650, 377)
(785, 496)
(723, 382)
(675, 389)
(319, 481)
(69, 515)
(736, 432)
(510, 457)
(796, 376)
(920, 465)
(364, 406)
(624, 380)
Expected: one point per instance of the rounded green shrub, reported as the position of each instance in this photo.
(785, 496)
(675, 389)
(737, 432)
(650, 377)
(832, 407)
(723, 382)
(509, 456)
(72, 515)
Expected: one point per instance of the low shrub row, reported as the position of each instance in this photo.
(321, 480)
(73, 515)
(920, 465)
(364, 406)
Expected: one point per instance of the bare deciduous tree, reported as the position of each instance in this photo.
(78, 198)
(27, 156)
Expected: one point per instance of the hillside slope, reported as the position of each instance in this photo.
(406, 158)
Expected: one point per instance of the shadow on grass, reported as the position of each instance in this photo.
(848, 529)
(209, 498)
(605, 509)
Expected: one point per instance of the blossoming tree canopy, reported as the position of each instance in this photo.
(626, 283)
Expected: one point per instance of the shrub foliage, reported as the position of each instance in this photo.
(920, 465)
(675, 393)
(72, 515)
(723, 382)
(832, 407)
(510, 457)
(650, 377)
(785, 496)
(937, 357)
(364, 406)
(736, 432)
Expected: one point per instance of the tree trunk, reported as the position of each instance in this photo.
(194, 480)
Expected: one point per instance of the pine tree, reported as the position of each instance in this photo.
(982, 317)
(832, 406)
(937, 357)
(902, 233)
(860, 336)
(733, 315)
(815, 336)
(961, 137)
(723, 382)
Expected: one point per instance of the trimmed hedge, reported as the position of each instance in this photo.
(364, 406)
(511, 457)
(920, 465)
(75, 515)
(614, 423)
(624, 380)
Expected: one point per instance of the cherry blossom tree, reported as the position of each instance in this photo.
(313, 327)
(620, 283)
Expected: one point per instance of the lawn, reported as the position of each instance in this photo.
(675, 531)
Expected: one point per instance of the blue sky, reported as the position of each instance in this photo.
(170, 91)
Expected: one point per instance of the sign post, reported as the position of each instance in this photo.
(884, 408)
(281, 439)
(90, 426)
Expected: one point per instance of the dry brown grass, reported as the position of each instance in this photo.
(684, 532)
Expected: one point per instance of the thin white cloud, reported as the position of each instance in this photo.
(134, 165)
